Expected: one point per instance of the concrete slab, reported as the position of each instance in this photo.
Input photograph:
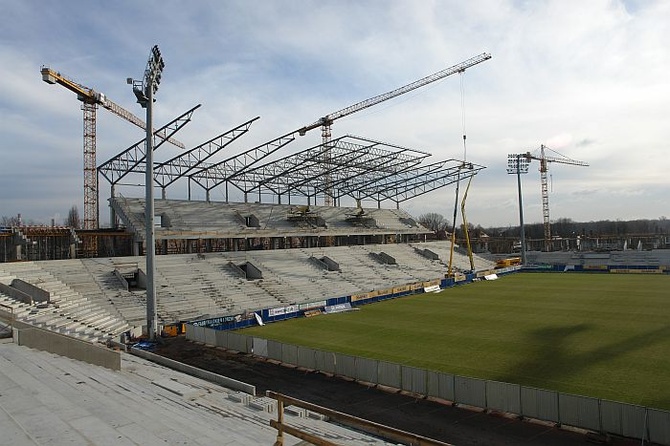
(177, 388)
(52, 400)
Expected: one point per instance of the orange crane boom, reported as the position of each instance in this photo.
(544, 168)
(90, 100)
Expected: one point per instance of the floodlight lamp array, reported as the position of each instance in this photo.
(155, 66)
(152, 77)
(517, 163)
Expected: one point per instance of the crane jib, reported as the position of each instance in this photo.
(459, 68)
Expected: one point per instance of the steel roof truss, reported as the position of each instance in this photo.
(128, 160)
(216, 174)
(171, 170)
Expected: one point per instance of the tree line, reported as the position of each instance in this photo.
(71, 221)
(563, 227)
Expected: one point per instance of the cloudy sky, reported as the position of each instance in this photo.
(588, 79)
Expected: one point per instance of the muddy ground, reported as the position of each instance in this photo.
(439, 420)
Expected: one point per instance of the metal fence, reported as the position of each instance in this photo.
(565, 409)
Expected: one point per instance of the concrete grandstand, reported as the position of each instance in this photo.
(144, 404)
(234, 258)
(232, 262)
(97, 298)
(243, 226)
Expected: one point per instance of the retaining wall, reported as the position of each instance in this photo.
(59, 344)
(194, 371)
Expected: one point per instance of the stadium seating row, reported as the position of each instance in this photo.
(215, 219)
(90, 301)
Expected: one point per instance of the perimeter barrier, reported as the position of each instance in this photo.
(343, 303)
(578, 411)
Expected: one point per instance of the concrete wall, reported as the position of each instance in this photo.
(15, 293)
(37, 293)
(194, 371)
(66, 346)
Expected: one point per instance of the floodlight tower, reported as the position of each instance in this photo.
(518, 164)
(144, 91)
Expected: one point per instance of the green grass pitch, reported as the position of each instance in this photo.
(601, 335)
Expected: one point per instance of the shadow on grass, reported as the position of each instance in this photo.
(553, 359)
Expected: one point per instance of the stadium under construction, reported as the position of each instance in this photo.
(298, 200)
(333, 206)
(283, 236)
(298, 232)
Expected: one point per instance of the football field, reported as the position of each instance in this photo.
(600, 335)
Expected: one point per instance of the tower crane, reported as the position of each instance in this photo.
(544, 168)
(326, 121)
(90, 100)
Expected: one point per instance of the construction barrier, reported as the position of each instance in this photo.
(247, 319)
(578, 411)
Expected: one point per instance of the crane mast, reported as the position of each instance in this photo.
(90, 100)
(544, 169)
(326, 121)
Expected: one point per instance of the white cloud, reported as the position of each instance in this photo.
(588, 79)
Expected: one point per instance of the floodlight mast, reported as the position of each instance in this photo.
(144, 91)
(518, 164)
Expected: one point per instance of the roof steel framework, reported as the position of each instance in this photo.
(171, 170)
(216, 174)
(399, 190)
(116, 168)
(349, 157)
(355, 167)
(368, 186)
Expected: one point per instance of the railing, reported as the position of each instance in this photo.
(379, 430)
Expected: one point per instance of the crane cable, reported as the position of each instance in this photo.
(458, 182)
(465, 150)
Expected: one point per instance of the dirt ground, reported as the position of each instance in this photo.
(441, 421)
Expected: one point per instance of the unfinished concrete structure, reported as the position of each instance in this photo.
(98, 299)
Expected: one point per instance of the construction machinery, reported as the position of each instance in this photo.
(90, 100)
(326, 121)
(466, 232)
(544, 169)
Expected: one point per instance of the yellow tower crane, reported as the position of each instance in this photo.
(90, 100)
(544, 168)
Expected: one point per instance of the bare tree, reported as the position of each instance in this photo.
(9, 221)
(73, 220)
(435, 222)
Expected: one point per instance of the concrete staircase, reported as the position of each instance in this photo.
(68, 312)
